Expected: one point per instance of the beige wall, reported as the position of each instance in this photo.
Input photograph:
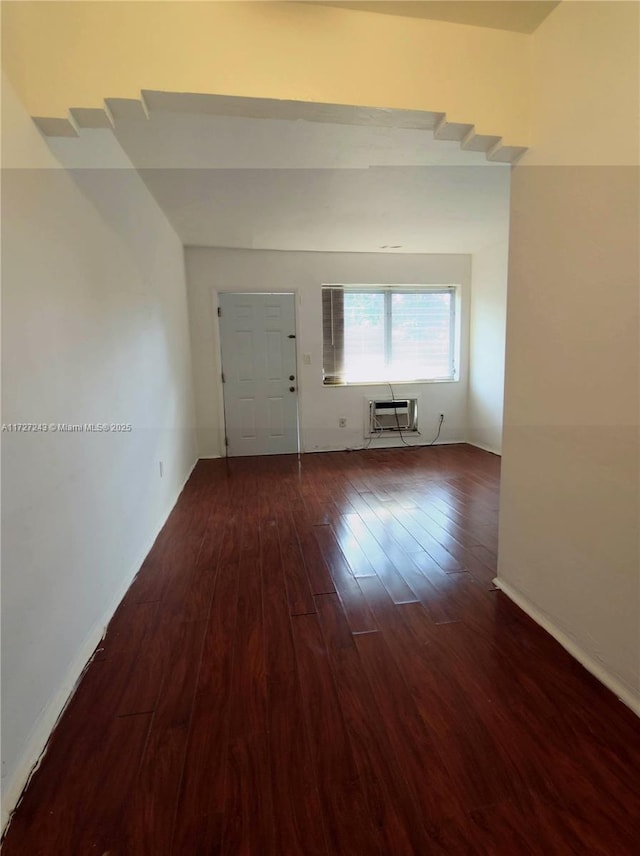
(569, 545)
(69, 54)
(584, 85)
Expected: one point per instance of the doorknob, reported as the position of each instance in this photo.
(292, 389)
(292, 377)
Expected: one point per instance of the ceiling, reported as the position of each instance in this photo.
(520, 16)
(283, 184)
(413, 209)
(170, 140)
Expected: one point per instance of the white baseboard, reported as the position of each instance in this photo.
(598, 670)
(37, 745)
(484, 447)
(389, 443)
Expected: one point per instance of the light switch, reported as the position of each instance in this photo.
(306, 359)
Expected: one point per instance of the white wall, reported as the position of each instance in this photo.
(487, 345)
(569, 548)
(94, 329)
(212, 270)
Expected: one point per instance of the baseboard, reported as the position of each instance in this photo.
(621, 690)
(386, 445)
(37, 745)
(38, 742)
(484, 447)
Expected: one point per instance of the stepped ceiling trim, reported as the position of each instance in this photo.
(150, 101)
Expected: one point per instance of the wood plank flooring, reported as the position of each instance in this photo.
(312, 661)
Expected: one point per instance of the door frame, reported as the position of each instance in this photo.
(217, 347)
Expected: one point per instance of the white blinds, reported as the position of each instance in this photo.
(333, 335)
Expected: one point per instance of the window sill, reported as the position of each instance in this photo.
(393, 383)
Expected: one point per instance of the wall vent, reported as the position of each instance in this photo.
(386, 417)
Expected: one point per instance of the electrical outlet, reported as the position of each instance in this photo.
(342, 422)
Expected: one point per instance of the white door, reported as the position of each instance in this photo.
(258, 345)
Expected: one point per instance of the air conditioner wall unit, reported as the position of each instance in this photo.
(388, 416)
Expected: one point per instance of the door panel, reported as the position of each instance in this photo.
(246, 418)
(257, 340)
(243, 350)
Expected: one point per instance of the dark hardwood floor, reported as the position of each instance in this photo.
(312, 660)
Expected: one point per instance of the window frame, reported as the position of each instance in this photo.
(454, 289)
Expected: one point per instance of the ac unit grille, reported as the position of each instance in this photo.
(397, 415)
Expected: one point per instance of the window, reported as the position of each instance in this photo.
(388, 333)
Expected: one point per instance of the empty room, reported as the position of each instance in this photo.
(320, 443)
